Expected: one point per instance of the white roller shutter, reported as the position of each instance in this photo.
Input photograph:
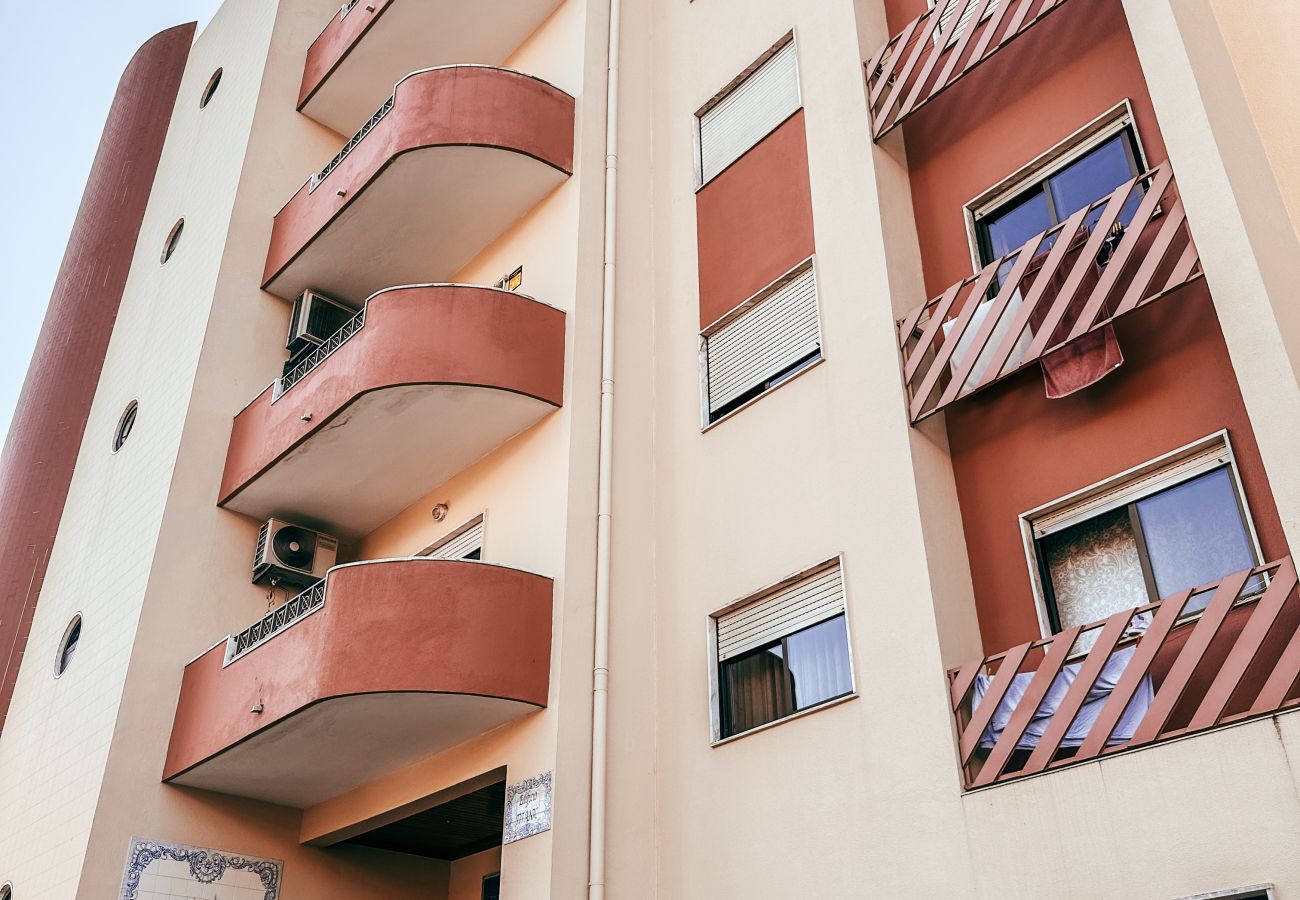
(461, 544)
(749, 112)
(1122, 493)
(770, 336)
(950, 10)
(812, 599)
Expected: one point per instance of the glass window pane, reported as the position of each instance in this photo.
(1011, 226)
(1195, 534)
(819, 663)
(1095, 569)
(755, 690)
(1087, 180)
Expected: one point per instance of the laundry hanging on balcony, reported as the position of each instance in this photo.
(1088, 713)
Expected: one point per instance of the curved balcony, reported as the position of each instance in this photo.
(424, 382)
(455, 157)
(383, 665)
(367, 46)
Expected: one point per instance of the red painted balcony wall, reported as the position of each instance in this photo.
(754, 220)
(483, 337)
(421, 626)
(452, 106)
(332, 46)
(45, 436)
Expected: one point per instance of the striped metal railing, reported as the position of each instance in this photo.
(319, 355)
(1106, 260)
(1194, 661)
(906, 73)
(274, 622)
(351, 144)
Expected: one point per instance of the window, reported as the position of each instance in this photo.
(491, 887)
(1058, 193)
(67, 650)
(782, 652)
(465, 542)
(512, 282)
(1255, 892)
(748, 109)
(1179, 524)
(6, 891)
(206, 97)
(762, 343)
(173, 239)
(125, 425)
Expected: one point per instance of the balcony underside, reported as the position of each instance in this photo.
(422, 218)
(398, 660)
(367, 736)
(357, 59)
(384, 450)
(433, 378)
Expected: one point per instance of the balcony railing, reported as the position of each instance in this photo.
(1151, 674)
(319, 355)
(905, 73)
(274, 622)
(1107, 260)
(353, 141)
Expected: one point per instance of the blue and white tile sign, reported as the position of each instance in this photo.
(528, 808)
(156, 870)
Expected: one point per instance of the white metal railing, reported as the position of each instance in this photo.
(357, 138)
(319, 355)
(274, 622)
(346, 8)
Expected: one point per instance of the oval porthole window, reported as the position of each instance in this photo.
(67, 650)
(124, 428)
(6, 891)
(213, 83)
(174, 238)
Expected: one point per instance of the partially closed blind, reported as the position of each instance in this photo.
(1117, 495)
(752, 109)
(461, 545)
(812, 599)
(771, 336)
(950, 10)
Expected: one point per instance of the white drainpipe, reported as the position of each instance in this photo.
(600, 660)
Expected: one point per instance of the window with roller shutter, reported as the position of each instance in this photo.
(782, 652)
(763, 342)
(464, 543)
(748, 111)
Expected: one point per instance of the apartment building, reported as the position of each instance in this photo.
(675, 449)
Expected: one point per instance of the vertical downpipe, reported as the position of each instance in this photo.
(600, 661)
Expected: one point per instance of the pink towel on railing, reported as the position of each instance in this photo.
(1081, 363)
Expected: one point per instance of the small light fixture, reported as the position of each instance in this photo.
(306, 417)
(341, 192)
(440, 512)
(257, 709)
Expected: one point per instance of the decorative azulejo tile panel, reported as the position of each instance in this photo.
(528, 808)
(157, 870)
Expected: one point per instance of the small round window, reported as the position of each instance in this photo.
(173, 239)
(6, 891)
(124, 427)
(213, 83)
(67, 650)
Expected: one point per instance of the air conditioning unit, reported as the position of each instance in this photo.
(315, 318)
(292, 556)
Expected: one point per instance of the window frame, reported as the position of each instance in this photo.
(707, 421)
(62, 660)
(714, 665)
(790, 37)
(1049, 163)
(480, 519)
(1267, 890)
(1150, 470)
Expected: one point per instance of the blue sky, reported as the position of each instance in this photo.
(59, 65)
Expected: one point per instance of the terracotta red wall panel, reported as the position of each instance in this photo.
(754, 220)
(335, 42)
(46, 433)
(1014, 450)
